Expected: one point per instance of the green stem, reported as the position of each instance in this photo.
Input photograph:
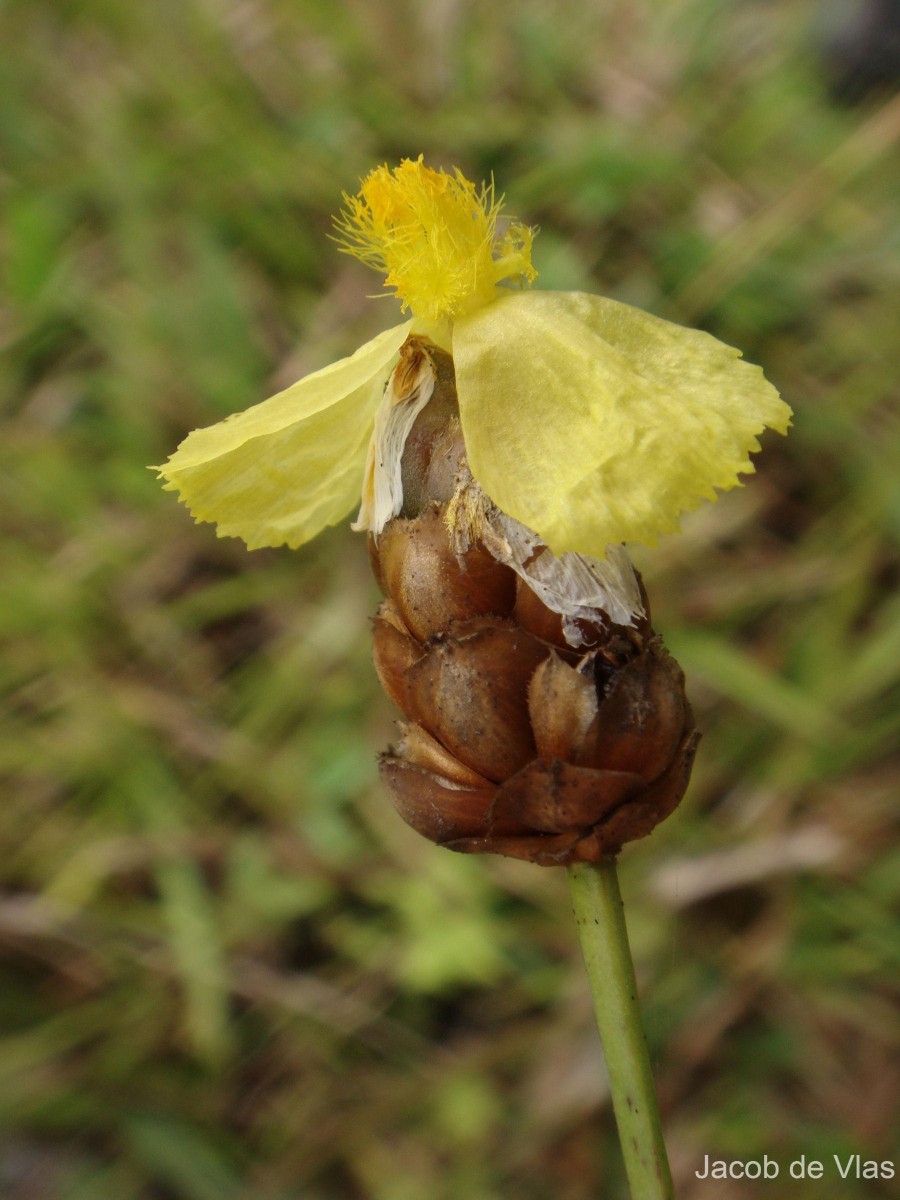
(597, 902)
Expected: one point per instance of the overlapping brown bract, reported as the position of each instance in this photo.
(516, 743)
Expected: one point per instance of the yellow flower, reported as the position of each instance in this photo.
(589, 421)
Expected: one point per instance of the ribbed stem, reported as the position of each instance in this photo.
(600, 917)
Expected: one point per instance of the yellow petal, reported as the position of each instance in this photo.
(284, 469)
(595, 423)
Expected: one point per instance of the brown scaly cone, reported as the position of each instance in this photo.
(516, 742)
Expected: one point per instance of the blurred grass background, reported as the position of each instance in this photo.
(227, 970)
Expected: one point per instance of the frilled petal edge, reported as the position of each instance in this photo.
(281, 471)
(593, 422)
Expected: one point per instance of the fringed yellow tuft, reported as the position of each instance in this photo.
(434, 236)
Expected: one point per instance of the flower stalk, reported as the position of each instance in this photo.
(600, 917)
